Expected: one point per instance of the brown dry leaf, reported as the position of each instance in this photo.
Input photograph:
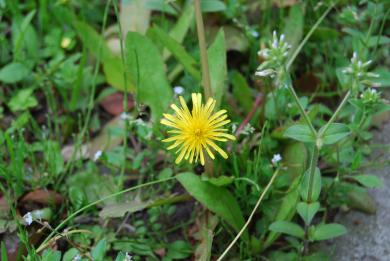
(43, 197)
(113, 103)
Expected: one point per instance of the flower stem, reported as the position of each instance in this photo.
(203, 51)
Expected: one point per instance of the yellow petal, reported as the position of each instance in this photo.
(218, 149)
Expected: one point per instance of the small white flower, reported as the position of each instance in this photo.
(97, 155)
(178, 90)
(124, 116)
(128, 257)
(28, 219)
(254, 33)
(276, 158)
(77, 258)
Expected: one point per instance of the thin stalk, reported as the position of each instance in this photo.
(125, 100)
(251, 215)
(336, 113)
(205, 69)
(303, 112)
(203, 51)
(70, 217)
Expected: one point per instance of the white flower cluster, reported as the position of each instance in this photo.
(370, 96)
(358, 70)
(275, 56)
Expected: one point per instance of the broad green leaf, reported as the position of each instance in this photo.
(147, 69)
(13, 72)
(241, 91)
(178, 52)
(120, 209)
(316, 190)
(23, 100)
(179, 31)
(212, 5)
(307, 211)
(293, 28)
(288, 228)
(328, 231)
(51, 255)
(295, 156)
(112, 65)
(300, 132)
(99, 250)
(370, 181)
(218, 69)
(334, 133)
(217, 199)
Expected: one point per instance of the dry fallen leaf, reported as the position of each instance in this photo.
(43, 197)
(113, 103)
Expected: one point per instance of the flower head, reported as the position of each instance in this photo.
(195, 131)
(28, 218)
(276, 158)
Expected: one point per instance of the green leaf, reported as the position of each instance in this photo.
(112, 65)
(13, 72)
(23, 100)
(370, 181)
(316, 190)
(241, 91)
(286, 210)
(334, 133)
(307, 211)
(384, 77)
(288, 228)
(70, 254)
(300, 132)
(178, 52)
(219, 181)
(328, 231)
(212, 6)
(3, 252)
(120, 209)
(217, 199)
(179, 31)
(146, 67)
(99, 250)
(218, 69)
(158, 5)
(51, 255)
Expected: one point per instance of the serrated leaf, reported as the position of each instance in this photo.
(370, 181)
(334, 133)
(147, 69)
(217, 199)
(307, 211)
(218, 68)
(328, 231)
(300, 132)
(316, 190)
(288, 228)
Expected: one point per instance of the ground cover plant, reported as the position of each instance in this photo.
(187, 130)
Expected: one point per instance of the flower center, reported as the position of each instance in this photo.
(198, 133)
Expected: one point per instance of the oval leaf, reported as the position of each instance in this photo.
(316, 190)
(307, 211)
(369, 181)
(300, 132)
(288, 228)
(334, 133)
(328, 231)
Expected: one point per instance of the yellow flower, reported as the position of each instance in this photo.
(195, 131)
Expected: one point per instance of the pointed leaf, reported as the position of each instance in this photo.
(328, 231)
(300, 132)
(316, 190)
(307, 211)
(370, 181)
(288, 228)
(334, 133)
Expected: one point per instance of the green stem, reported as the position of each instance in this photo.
(43, 245)
(303, 112)
(336, 113)
(203, 51)
(251, 215)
